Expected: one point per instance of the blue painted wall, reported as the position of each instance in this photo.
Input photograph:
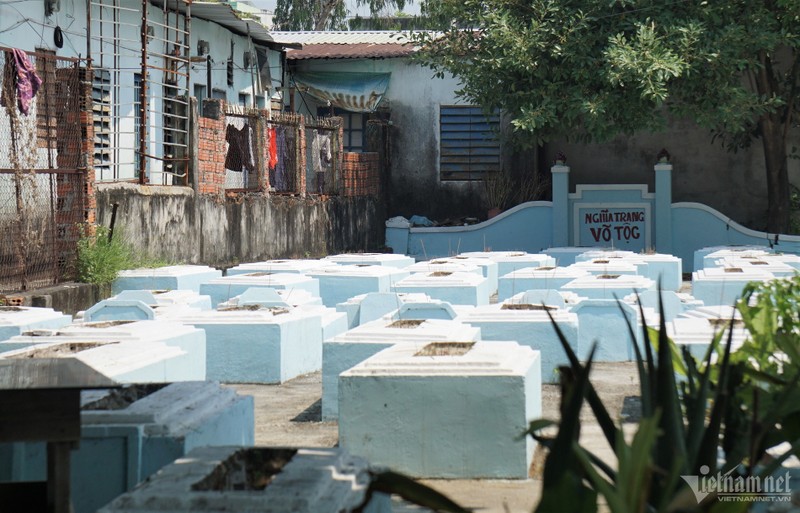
(535, 226)
(526, 227)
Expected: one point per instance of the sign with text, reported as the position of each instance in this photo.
(619, 227)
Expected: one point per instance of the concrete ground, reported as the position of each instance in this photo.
(289, 415)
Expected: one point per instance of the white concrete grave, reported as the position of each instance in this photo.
(530, 325)
(298, 266)
(531, 278)
(382, 259)
(599, 266)
(339, 283)
(707, 257)
(173, 277)
(566, 255)
(605, 322)
(488, 267)
(724, 285)
(431, 309)
(509, 261)
(266, 296)
(333, 322)
(257, 344)
(222, 289)
(444, 265)
(557, 298)
(123, 361)
(608, 286)
(786, 258)
(342, 352)
(443, 409)
(674, 303)
(129, 433)
(238, 479)
(696, 333)
(144, 305)
(667, 268)
(167, 298)
(766, 264)
(454, 287)
(15, 320)
(363, 308)
(187, 338)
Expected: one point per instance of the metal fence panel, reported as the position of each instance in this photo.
(43, 101)
(40, 216)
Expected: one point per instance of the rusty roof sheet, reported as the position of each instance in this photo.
(351, 51)
(343, 37)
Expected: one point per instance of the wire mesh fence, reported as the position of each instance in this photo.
(41, 99)
(40, 216)
(43, 157)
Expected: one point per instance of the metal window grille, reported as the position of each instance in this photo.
(469, 148)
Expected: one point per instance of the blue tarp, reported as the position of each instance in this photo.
(356, 92)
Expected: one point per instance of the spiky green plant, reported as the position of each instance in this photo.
(681, 430)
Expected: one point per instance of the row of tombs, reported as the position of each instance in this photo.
(404, 348)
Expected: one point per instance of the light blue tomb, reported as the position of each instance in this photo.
(269, 345)
(223, 289)
(342, 352)
(398, 409)
(339, 283)
(120, 448)
(534, 278)
(16, 320)
(455, 288)
(604, 321)
(530, 326)
(172, 277)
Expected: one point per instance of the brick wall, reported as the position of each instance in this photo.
(211, 155)
(361, 174)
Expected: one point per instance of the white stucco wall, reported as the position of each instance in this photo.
(24, 25)
(413, 97)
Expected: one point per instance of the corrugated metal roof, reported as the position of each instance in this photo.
(350, 51)
(222, 14)
(343, 37)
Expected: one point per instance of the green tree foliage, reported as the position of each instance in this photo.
(323, 14)
(589, 70)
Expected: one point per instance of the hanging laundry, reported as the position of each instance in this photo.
(239, 156)
(316, 164)
(284, 159)
(273, 147)
(28, 82)
(325, 154)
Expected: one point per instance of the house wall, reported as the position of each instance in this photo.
(413, 98)
(23, 25)
(179, 225)
(733, 183)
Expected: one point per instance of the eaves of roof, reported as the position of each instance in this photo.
(351, 51)
(224, 15)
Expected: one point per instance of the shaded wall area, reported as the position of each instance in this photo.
(178, 225)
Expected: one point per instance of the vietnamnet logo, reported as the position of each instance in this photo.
(730, 487)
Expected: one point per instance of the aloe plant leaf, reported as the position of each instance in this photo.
(414, 492)
(561, 455)
(644, 389)
(672, 439)
(598, 408)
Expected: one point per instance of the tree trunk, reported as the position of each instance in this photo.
(776, 165)
(773, 139)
